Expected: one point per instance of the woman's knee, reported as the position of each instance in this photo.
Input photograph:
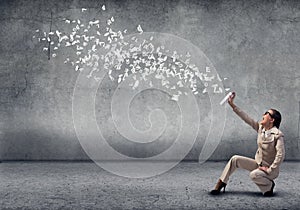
(235, 157)
(255, 174)
(234, 160)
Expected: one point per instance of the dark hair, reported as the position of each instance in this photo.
(277, 118)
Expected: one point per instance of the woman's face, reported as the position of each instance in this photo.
(267, 119)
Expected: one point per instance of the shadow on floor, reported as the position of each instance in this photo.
(248, 193)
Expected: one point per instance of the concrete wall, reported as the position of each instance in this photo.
(255, 44)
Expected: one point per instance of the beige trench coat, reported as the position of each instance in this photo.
(270, 150)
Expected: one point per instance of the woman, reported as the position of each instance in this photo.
(270, 153)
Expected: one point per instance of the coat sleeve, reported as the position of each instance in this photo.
(254, 124)
(280, 153)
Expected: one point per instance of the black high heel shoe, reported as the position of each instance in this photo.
(218, 188)
(270, 193)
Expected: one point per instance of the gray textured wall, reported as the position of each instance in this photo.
(256, 44)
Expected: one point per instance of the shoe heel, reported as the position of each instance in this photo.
(218, 188)
(224, 189)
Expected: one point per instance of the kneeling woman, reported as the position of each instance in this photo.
(270, 153)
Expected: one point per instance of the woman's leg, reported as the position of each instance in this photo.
(262, 180)
(235, 162)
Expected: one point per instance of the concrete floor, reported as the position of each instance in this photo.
(83, 185)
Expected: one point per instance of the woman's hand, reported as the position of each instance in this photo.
(230, 100)
(264, 169)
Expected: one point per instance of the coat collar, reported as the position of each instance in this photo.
(273, 130)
